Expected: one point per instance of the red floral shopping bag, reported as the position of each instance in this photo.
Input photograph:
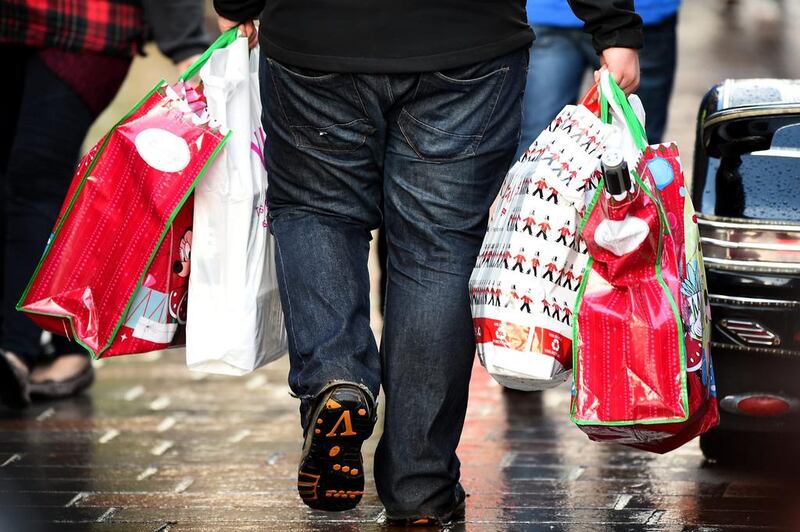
(642, 369)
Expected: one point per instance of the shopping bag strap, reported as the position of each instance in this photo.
(612, 96)
(591, 100)
(596, 103)
(224, 40)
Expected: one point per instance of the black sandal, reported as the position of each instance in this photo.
(14, 384)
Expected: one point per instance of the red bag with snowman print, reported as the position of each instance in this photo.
(114, 274)
(642, 370)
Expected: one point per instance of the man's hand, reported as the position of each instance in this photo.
(248, 29)
(623, 64)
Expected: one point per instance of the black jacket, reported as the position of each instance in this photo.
(413, 35)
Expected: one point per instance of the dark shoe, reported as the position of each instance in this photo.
(14, 382)
(72, 384)
(455, 515)
(331, 474)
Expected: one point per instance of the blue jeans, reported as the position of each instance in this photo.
(560, 58)
(426, 153)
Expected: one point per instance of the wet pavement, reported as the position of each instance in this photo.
(155, 447)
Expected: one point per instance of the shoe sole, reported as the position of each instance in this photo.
(331, 473)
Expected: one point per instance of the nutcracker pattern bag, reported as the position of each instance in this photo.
(532, 260)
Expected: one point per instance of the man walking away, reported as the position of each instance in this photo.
(406, 112)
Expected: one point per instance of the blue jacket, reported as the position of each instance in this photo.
(558, 12)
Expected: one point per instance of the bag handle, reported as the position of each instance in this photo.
(591, 100)
(612, 96)
(224, 40)
(595, 101)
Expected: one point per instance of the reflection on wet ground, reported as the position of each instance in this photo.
(154, 447)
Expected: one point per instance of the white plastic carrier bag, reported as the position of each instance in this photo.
(524, 284)
(234, 323)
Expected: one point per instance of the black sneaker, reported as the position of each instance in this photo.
(331, 473)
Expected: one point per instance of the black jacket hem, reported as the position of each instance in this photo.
(397, 65)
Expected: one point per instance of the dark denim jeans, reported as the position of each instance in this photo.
(426, 153)
(561, 57)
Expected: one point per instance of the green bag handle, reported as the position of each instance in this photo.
(224, 40)
(605, 116)
(635, 127)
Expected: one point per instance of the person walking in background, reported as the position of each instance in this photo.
(63, 62)
(406, 112)
(563, 54)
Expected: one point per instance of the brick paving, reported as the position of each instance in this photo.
(154, 447)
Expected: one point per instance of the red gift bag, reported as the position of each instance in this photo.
(114, 274)
(642, 370)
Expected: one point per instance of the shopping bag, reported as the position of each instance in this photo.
(113, 276)
(235, 320)
(523, 287)
(642, 372)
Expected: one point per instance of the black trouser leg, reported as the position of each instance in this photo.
(41, 154)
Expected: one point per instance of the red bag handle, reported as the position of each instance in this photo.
(592, 99)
